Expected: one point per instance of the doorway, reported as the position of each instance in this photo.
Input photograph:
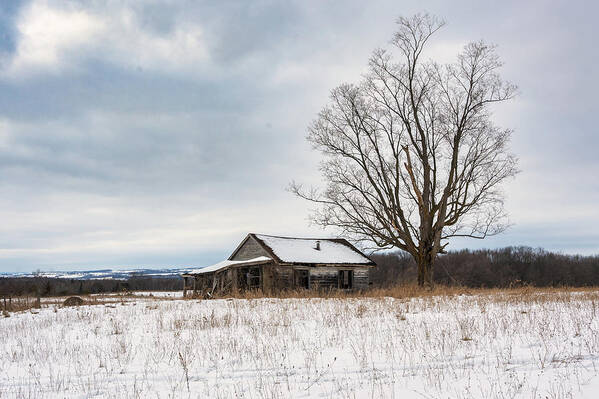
(345, 279)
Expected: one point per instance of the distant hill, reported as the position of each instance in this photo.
(102, 274)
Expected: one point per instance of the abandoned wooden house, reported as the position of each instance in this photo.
(272, 263)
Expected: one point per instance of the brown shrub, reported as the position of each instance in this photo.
(73, 301)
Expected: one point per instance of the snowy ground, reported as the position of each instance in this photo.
(157, 294)
(501, 346)
(133, 296)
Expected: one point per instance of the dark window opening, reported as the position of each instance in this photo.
(302, 279)
(345, 279)
(249, 278)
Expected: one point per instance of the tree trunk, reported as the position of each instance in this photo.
(421, 271)
(426, 262)
(428, 271)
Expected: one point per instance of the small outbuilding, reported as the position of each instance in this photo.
(273, 263)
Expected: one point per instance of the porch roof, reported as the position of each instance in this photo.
(228, 263)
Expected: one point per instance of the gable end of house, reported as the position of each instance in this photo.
(251, 248)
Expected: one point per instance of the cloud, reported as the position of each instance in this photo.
(46, 34)
(59, 37)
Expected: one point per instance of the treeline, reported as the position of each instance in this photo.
(47, 286)
(505, 267)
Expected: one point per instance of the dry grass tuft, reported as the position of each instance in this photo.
(19, 304)
(407, 291)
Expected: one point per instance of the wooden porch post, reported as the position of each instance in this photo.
(234, 278)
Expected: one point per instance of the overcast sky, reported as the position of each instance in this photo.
(158, 133)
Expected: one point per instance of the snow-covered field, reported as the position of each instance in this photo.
(500, 346)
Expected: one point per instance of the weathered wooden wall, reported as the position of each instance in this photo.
(268, 278)
(361, 278)
(326, 277)
(282, 277)
(323, 277)
(320, 277)
(249, 250)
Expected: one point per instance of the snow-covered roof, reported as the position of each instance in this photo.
(303, 250)
(226, 263)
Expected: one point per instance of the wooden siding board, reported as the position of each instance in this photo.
(267, 278)
(249, 250)
(361, 279)
(282, 277)
(323, 277)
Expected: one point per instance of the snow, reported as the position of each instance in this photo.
(226, 263)
(302, 250)
(158, 294)
(485, 346)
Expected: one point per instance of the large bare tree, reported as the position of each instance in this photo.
(412, 157)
